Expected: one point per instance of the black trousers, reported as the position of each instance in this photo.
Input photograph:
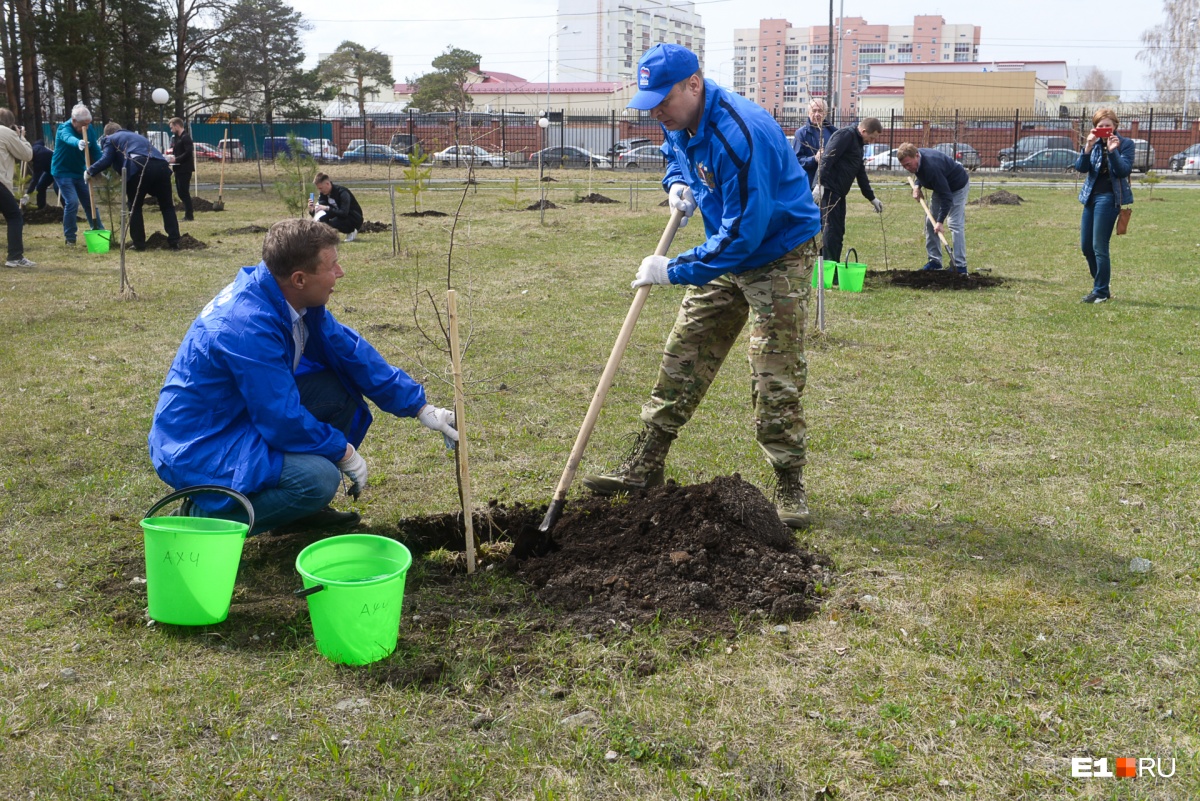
(183, 185)
(154, 179)
(343, 225)
(11, 210)
(833, 225)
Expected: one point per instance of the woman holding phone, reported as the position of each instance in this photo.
(1107, 158)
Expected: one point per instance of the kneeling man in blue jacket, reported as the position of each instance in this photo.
(265, 395)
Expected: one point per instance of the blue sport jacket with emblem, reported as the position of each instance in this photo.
(755, 197)
(230, 408)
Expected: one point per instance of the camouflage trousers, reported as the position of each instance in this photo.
(710, 320)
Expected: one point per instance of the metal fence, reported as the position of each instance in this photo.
(607, 136)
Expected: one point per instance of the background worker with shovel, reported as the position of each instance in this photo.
(729, 158)
(68, 166)
(950, 186)
(146, 173)
(265, 395)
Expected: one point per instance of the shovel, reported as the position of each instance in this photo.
(225, 152)
(537, 541)
(87, 164)
(941, 236)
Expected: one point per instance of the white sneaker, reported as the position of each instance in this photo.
(350, 237)
(21, 262)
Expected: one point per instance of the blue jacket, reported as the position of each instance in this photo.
(122, 147)
(756, 201)
(806, 142)
(1119, 169)
(67, 161)
(230, 409)
(941, 175)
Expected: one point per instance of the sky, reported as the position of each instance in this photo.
(512, 36)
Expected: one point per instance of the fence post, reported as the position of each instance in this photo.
(1016, 133)
(892, 132)
(1149, 143)
(612, 131)
(503, 140)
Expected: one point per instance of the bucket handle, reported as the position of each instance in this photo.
(187, 492)
(307, 591)
(848, 259)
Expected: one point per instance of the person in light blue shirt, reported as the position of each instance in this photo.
(729, 159)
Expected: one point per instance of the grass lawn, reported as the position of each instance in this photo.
(983, 467)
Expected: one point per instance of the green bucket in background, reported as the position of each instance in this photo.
(192, 562)
(830, 269)
(852, 273)
(355, 588)
(97, 241)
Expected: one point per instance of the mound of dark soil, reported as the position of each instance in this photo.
(426, 213)
(547, 179)
(936, 279)
(665, 203)
(158, 241)
(43, 216)
(538, 206)
(198, 204)
(597, 198)
(374, 228)
(695, 552)
(249, 229)
(998, 198)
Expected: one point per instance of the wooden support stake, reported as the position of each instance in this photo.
(459, 423)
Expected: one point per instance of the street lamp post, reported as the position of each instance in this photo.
(160, 96)
(544, 122)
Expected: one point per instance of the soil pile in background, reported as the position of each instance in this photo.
(696, 552)
(596, 198)
(538, 206)
(426, 213)
(42, 216)
(158, 241)
(198, 204)
(249, 229)
(935, 279)
(998, 198)
(374, 228)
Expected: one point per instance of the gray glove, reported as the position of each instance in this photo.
(818, 193)
(440, 420)
(355, 468)
(878, 204)
(82, 145)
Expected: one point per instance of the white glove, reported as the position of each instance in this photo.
(441, 420)
(24, 200)
(682, 199)
(878, 204)
(818, 193)
(653, 270)
(82, 145)
(355, 468)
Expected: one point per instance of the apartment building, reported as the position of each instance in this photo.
(782, 67)
(602, 40)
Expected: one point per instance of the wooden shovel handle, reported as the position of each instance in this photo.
(610, 369)
(87, 165)
(932, 221)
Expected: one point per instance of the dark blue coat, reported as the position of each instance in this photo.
(806, 142)
(941, 175)
(1120, 165)
(126, 147)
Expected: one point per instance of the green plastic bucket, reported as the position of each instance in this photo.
(830, 269)
(355, 588)
(192, 562)
(97, 241)
(851, 274)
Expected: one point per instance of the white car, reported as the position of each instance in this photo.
(327, 152)
(466, 155)
(886, 160)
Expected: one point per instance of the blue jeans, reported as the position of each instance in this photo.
(956, 222)
(307, 482)
(72, 192)
(1095, 232)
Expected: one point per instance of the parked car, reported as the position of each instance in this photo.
(1056, 159)
(875, 149)
(202, 151)
(568, 156)
(407, 143)
(1179, 159)
(328, 150)
(1032, 144)
(624, 145)
(884, 160)
(1191, 165)
(646, 157)
(356, 143)
(961, 152)
(278, 146)
(1143, 156)
(466, 155)
(370, 152)
(233, 149)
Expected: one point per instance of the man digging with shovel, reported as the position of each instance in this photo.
(729, 158)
